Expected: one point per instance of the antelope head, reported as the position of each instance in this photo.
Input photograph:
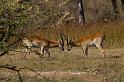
(70, 43)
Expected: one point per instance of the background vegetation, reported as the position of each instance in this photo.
(49, 18)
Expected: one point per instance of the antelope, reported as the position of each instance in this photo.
(43, 43)
(87, 41)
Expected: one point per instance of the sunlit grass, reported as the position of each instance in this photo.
(113, 32)
(106, 69)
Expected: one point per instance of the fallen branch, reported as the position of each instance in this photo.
(14, 68)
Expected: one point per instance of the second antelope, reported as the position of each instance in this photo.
(86, 41)
(43, 43)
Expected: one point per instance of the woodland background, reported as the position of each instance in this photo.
(49, 18)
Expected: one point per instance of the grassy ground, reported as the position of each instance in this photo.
(94, 67)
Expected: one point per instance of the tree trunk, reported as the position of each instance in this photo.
(115, 7)
(81, 12)
(122, 2)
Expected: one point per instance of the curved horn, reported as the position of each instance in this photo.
(67, 40)
(61, 36)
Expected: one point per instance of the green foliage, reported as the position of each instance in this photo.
(50, 13)
(13, 14)
(1, 47)
(35, 13)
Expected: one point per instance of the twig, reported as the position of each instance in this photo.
(14, 68)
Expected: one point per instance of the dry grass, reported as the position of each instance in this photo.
(109, 69)
(95, 68)
(113, 32)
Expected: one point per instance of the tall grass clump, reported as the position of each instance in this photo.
(113, 32)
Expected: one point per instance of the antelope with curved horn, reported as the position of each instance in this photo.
(43, 43)
(86, 41)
